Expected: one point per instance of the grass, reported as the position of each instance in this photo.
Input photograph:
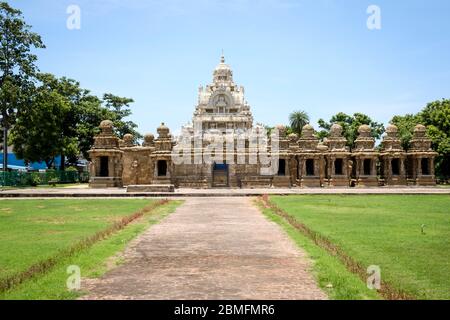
(385, 230)
(331, 274)
(61, 185)
(39, 229)
(44, 186)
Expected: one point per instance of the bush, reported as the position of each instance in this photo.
(51, 175)
(34, 179)
(23, 179)
(84, 177)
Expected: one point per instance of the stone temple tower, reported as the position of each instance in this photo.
(222, 105)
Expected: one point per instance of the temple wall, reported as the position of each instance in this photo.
(192, 175)
(138, 166)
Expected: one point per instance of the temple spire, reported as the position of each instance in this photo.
(222, 58)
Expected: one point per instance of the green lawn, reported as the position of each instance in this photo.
(332, 276)
(45, 186)
(386, 231)
(34, 230)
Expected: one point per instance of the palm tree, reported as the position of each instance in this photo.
(298, 119)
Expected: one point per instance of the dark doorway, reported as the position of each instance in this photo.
(220, 166)
(395, 164)
(220, 175)
(310, 167)
(425, 167)
(104, 172)
(281, 167)
(162, 168)
(338, 167)
(367, 167)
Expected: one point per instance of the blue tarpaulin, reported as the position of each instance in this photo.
(17, 164)
(10, 167)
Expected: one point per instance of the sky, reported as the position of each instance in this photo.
(313, 55)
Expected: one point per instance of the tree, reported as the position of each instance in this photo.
(93, 111)
(297, 120)
(350, 125)
(406, 126)
(120, 109)
(80, 121)
(17, 65)
(72, 131)
(436, 117)
(37, 134)
(92, 114)
(70, 91)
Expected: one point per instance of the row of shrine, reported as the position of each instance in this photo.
(301, 161)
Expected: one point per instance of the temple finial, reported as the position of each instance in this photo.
(222, 58)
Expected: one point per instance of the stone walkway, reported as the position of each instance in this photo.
(83, 192)
(210, 248)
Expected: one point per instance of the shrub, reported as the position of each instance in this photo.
(34, 179)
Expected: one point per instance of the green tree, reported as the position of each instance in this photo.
(85, 112)
(72, 132)
(436, 117)
(350, 125)
(297, 120)
(120, 109)
(87, 127)
(37, 134)
(406, 126)
(73, 95)
(17, 64)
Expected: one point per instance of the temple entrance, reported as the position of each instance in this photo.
(310, 167)
(104, 172)
(282, 167)
(338, 167)
(220, 175)
(395, 165)
(162, 168)
(367, 164)
(425, 166)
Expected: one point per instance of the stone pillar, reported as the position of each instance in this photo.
(357, 167)
(321, 161)
(419, 166)
(431, 164)
(302, 167)
(402, 167)
(333, 166)
(293, 170)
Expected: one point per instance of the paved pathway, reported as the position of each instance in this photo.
(210, 248)
(84, 192)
